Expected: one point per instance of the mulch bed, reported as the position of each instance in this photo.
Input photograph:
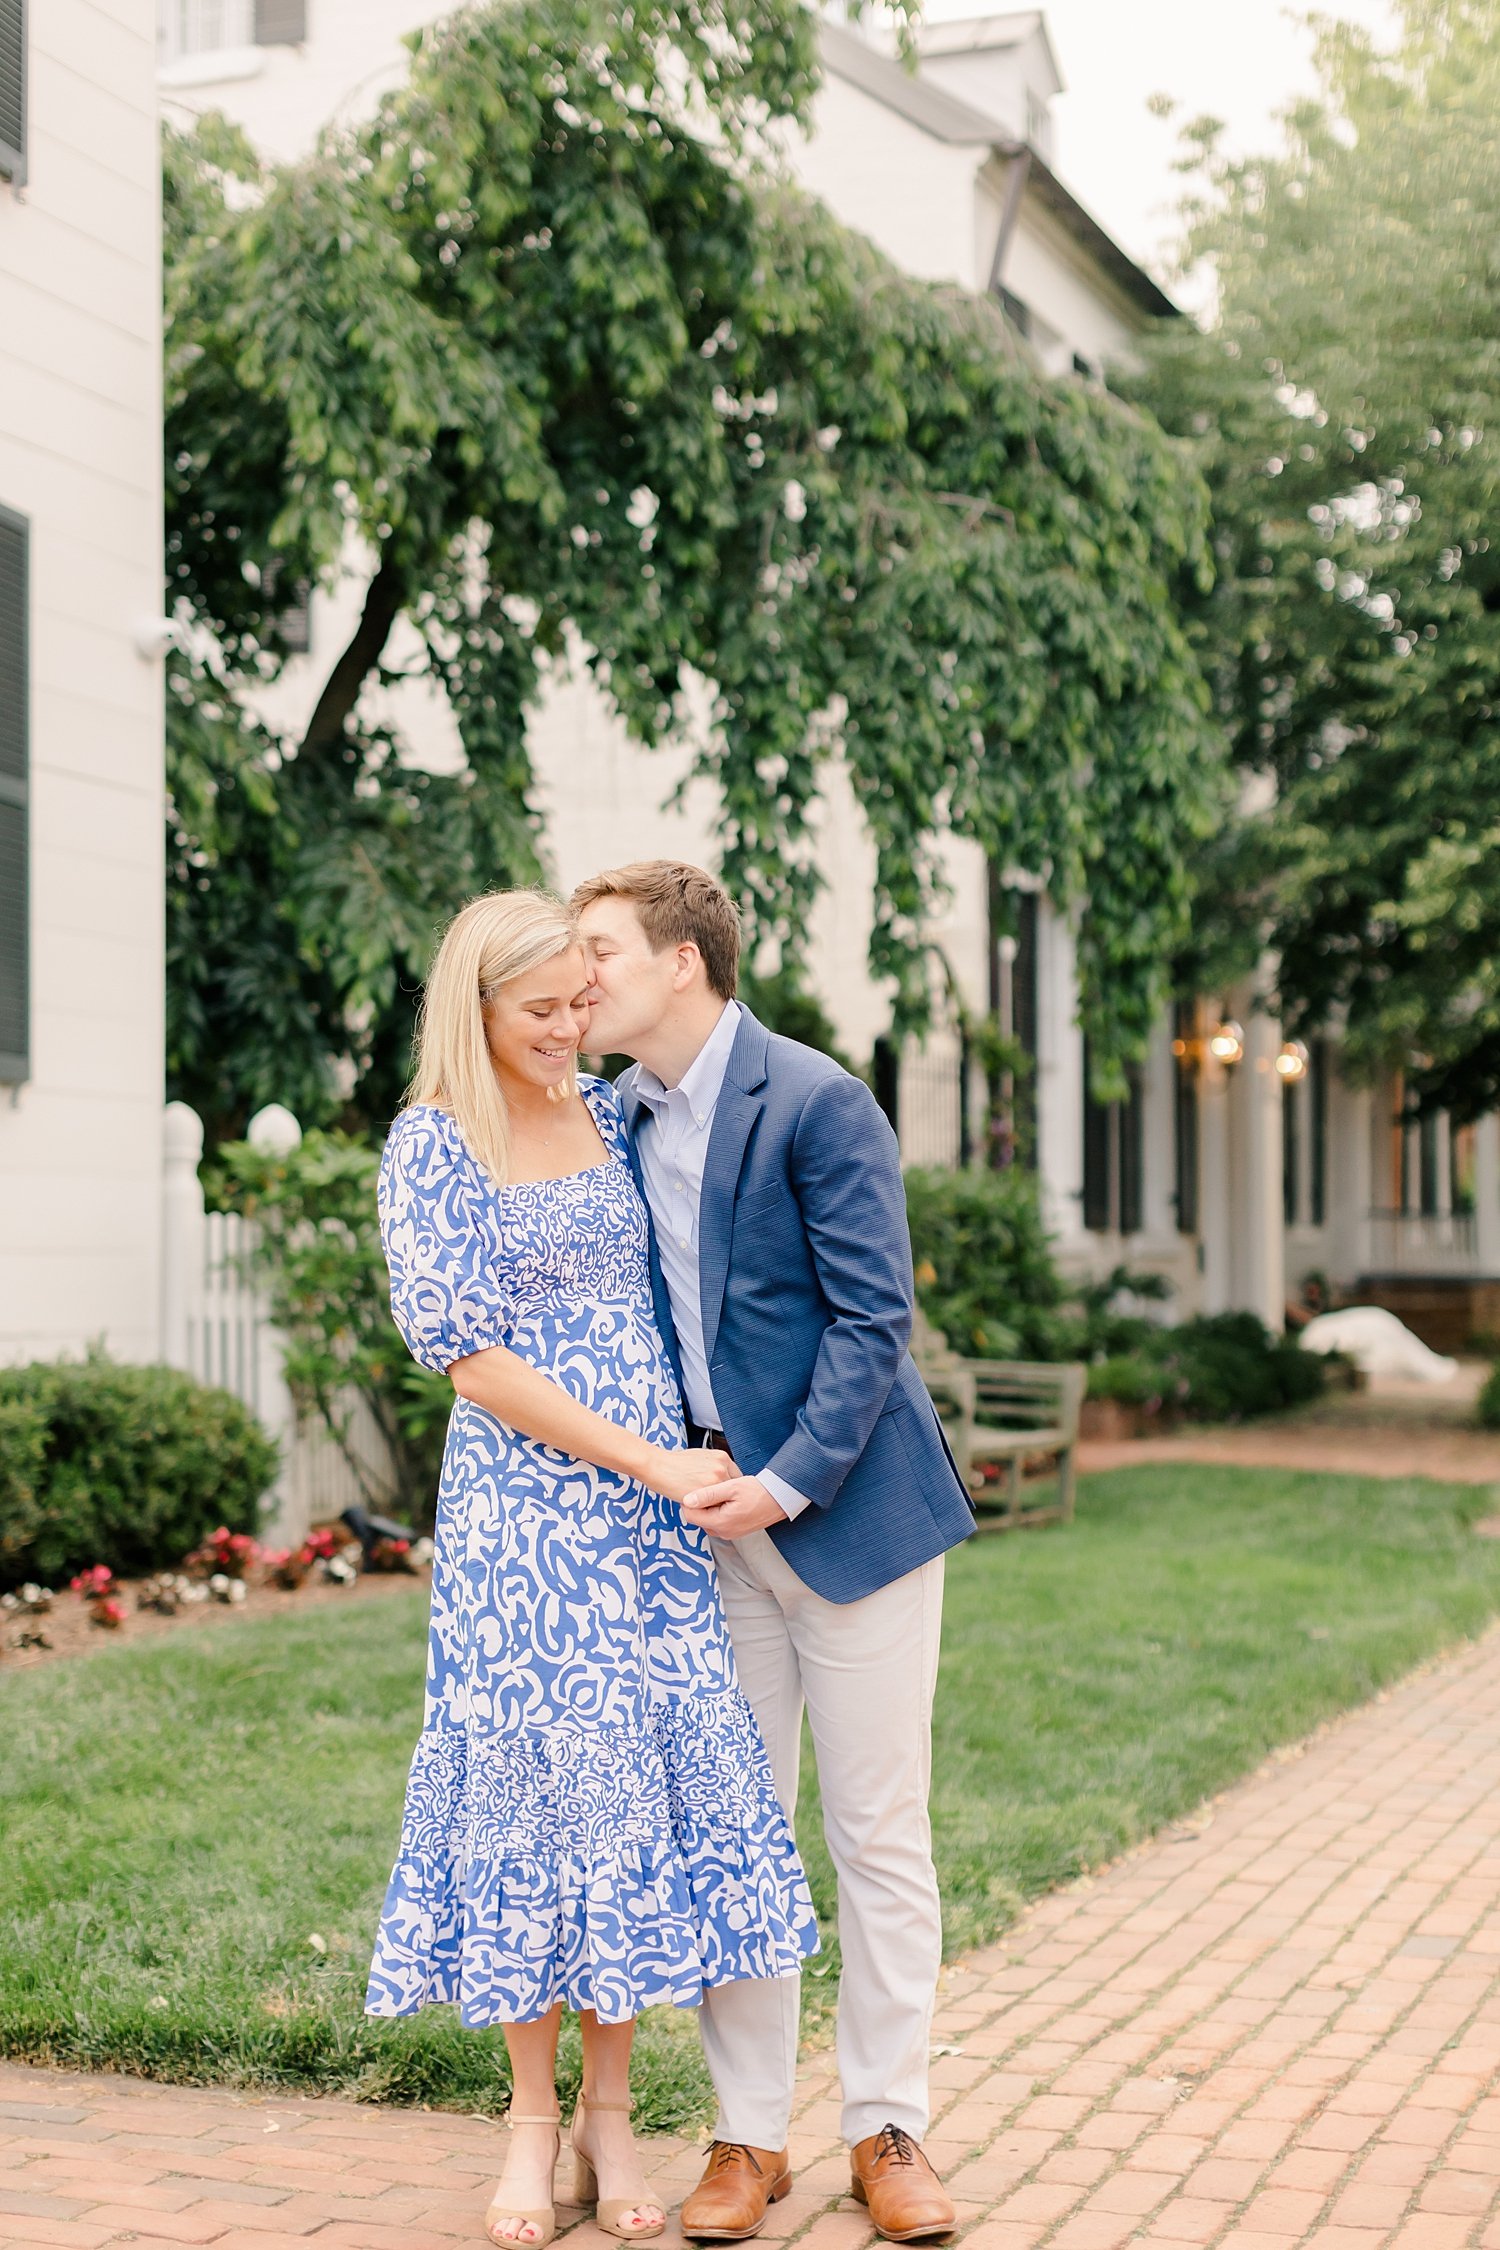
(70, 1629)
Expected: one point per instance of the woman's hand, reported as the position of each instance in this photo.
(675, 1474)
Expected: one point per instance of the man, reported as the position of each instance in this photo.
(782, 1272)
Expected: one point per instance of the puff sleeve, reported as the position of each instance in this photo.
(447, 1294)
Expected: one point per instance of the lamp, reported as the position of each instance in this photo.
(1291, 1063)
(1226, 1043)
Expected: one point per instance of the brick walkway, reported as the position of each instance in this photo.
(1276, 2026)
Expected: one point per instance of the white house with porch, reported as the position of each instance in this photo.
(1239, 1165)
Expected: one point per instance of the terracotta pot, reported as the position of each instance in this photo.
(1111, 1419)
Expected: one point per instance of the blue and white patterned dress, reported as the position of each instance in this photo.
(590, 1816)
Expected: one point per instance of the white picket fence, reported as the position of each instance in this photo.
(216, 1326)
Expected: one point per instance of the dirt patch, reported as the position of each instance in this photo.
(69, 1627)
(1390, 1430)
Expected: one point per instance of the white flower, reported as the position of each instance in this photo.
(793, 501)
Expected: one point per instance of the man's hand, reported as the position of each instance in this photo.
(731, 1509)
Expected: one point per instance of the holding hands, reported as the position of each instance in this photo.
(732, 1507)
(712, 1494)
(676, 1473)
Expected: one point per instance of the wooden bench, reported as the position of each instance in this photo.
(997, 1413)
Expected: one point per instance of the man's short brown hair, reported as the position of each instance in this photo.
(676, 904)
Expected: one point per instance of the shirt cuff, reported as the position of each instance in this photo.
(785, 1495)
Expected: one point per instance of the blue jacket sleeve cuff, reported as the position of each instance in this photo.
(786, 1495)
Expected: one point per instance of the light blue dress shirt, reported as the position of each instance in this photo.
(673, 1151)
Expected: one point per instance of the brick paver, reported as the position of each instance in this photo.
(1277, 2026)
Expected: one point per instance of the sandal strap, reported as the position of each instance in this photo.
(530, 2117)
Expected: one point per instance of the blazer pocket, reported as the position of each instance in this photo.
(762, 1202)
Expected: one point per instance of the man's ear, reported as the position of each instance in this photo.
(689, 960)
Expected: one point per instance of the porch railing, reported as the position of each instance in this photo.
(1436, 1242)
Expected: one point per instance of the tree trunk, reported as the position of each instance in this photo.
(325, 729)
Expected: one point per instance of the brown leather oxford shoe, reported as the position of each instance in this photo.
(738, 2187)
(907, 2201)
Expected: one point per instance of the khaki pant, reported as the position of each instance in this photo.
(865, 1671)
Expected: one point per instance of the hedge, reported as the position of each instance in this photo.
(128, 1466)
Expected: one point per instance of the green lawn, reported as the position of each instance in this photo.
(181, 1817)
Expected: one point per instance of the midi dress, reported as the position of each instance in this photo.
(589, 1815)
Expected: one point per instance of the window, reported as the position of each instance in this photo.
(1016, 311)
(1113, 1151)
(292, 614)
(1291, 1153)
(15, 1009)
(280, 23)
(208, 27)
(13, 92)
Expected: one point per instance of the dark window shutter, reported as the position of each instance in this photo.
(886, 1072)
(1098, 1148)
(15, 969)
(1185, 1116)
(1427, 1165)
(1132, 1132)
(280, 23)
(1291, 1151)
(13, 91)
(1317, 1184)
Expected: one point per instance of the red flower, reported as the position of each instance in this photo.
(93, 1585)
(110, 1614)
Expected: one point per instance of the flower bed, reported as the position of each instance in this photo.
(229, 1575)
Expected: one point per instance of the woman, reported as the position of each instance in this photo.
(590, 1819)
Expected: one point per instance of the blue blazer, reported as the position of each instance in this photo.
(806, 1283)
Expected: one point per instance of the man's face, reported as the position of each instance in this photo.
(630, 987)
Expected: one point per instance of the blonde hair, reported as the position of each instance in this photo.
(503, 935)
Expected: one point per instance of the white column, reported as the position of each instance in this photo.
(276, 1130)
(1059, 1080)
(1487, 1194)
(1215, 1210)
(183, 1232)
(1258, 1229)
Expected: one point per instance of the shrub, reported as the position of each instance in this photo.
(1133, 1380)
(320, 1256)
(124, 1466)
(1487, 1405)
(984, 1266)
(1220, 1368)
(1233, 1366)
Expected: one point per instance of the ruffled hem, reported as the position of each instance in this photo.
(615, 1869)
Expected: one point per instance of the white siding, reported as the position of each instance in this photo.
(80, 456)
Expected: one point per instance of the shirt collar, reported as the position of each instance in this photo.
(701, 1082)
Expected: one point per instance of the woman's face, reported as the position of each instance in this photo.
(536, 1023)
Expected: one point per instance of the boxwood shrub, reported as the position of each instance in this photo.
(129, 1466)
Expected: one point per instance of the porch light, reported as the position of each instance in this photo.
(1226, 1043)
(1291, 1063)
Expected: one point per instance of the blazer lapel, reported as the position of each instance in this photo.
(739, 1105)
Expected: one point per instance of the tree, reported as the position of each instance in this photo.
(572, 375)
(1343, 407)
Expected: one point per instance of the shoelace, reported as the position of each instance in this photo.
(729, 2154)
(896, 2143)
